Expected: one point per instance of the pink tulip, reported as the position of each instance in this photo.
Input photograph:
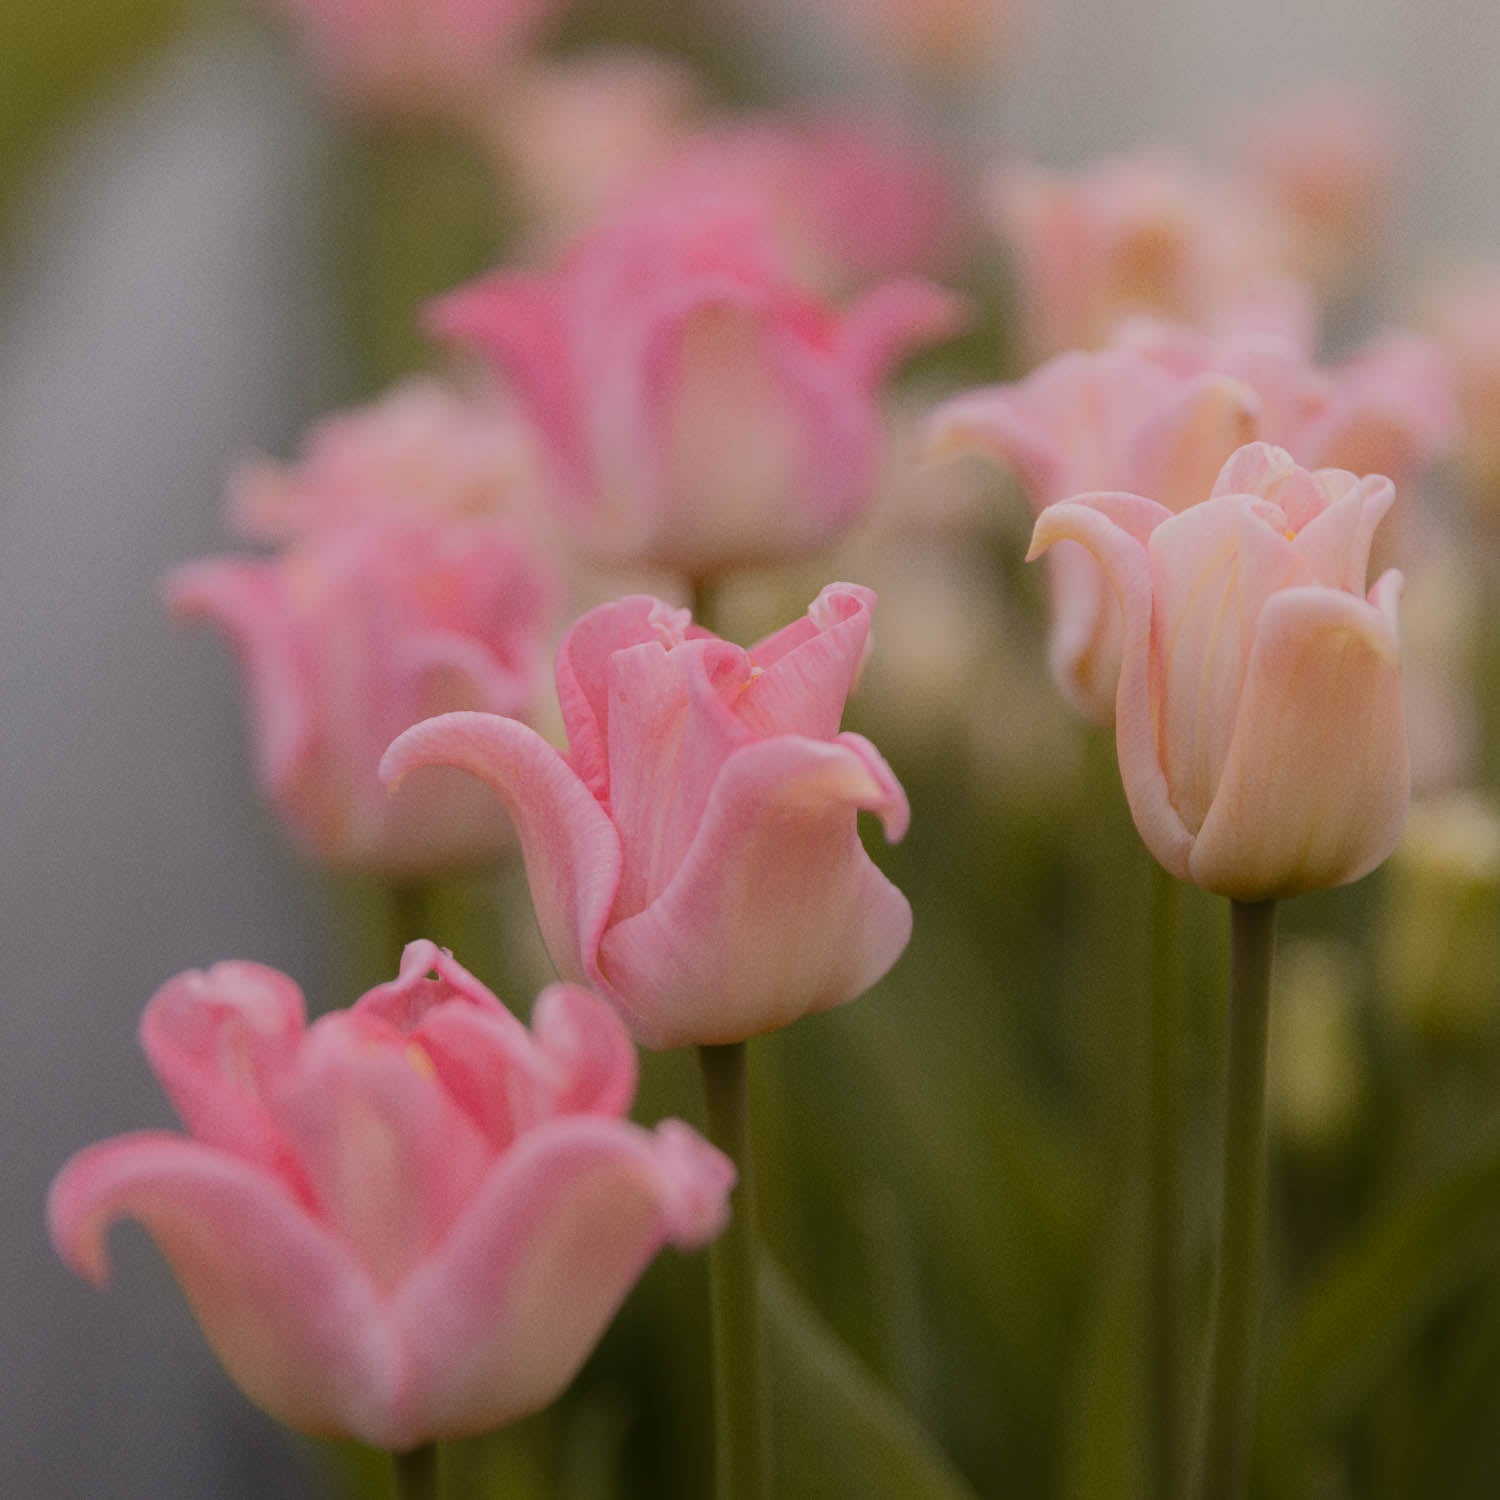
(415, 58)
(422, 450)
(694, 856)
(1141, 234)
(1159, 412)
(349, 637)
(1464, 315)
(411, 1220)
(1259, 720)
(1328, 160)
(697, 410)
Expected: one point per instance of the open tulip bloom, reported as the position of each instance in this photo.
(695, 854)
(411, 1220)
(1259, 720)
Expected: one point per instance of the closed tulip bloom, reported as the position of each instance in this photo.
(347, 638)
(1160, 411)
(696, 409)
(1259, 719)
(411, 1220)
(695, 854)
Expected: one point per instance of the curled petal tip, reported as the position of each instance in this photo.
(696, 1179)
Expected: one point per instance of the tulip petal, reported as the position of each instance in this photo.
(993, 423)
(295, 1321)
(776, 911)
(213, 1040)
(880, 330)
(1315, 787)
(1335, 546)
(1178, 453)
(593, 1064)
(806, 671)
(497, 1322)
(570, 846)
(1116, 529)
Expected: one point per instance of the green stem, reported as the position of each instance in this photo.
(408, 917)
(740, 1425)
(414, 1474)
(1242, 1229)
(1164, 1127)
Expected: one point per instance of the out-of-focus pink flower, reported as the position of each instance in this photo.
(1259, 719)
(695, 854)
(578, 137)
(415, 58)
(350, 636)
(411, 1220)
(1159, 412)
(1463, 314)
(1328, 160)
(945, 37)
(422, 451)
(851, 199)
(1141, 234)
(698, 411)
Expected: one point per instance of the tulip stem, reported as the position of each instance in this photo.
(740, 1423)
(1164, 1126)
(414, 1474)
(1242, 1226)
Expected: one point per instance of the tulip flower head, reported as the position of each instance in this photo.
(348, 637)
(696, 409)
(409, 1221)
(1259, 718)
(694, 855)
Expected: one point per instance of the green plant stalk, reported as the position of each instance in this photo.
(1224, 1473)
(742, 1465)
(414, 1474)
(1164, 1156)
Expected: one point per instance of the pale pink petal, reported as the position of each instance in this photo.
(886, 324)
(496, 1323)
(390, 1157)
(294, 1319)
(1335, 545)
(1315, 788)
(214, 1040)
(671, 727)
(1083, 645)
(776, 911)
(593, 1064)
(1117, 529)
(571, 848)
(994, 423)
(1177, 455)
(583, 680)
(429, 976)
(248, 602)
(804, 673)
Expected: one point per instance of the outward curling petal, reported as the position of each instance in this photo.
(571, 848)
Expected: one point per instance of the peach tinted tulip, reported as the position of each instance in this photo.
(347, 638)
(1159, 412)
(422, 450)
(1464, 316)
(428, 59)
(1140, 234)
(697, 410)
(1259, 719)
(410, 1220)
(695, 854)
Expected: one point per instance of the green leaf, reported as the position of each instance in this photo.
(1365, 1314)
(837, 1430)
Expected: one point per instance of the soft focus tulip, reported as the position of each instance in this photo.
(698, 411)
(350, 636)
(422, 451)
(1259, 719)
(415, 58)
(1463, 314)
(1327, 160)
(411, 1220)
(1159, 412)
(695, 854)
(1141, 234)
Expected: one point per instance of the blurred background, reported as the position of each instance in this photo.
(198, 257)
